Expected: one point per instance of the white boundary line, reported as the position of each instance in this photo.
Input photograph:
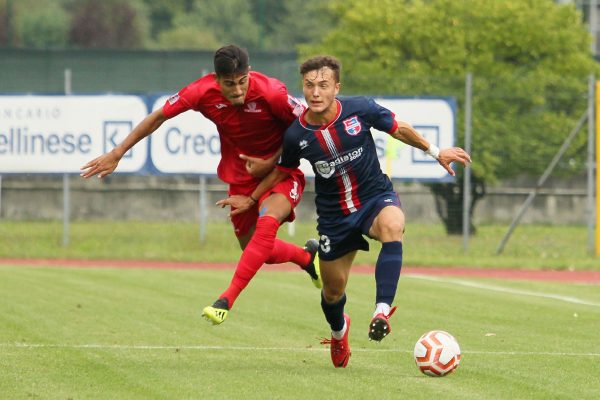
(251, 348)
(310, 349)
(501, 289)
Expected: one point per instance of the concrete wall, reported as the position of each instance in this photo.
(176, 198)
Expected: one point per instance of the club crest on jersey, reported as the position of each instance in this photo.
(297, 106)
(252, 108)
(352, 125)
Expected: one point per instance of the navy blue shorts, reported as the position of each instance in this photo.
(341, 235)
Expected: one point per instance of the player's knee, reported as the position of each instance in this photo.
(275, 209)
(333, 292)
(330, 298)
(393, 229)
(277, 214)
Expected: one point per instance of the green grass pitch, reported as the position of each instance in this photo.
(71, 333)
(531, 247)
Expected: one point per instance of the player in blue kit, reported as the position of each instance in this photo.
(353, 196)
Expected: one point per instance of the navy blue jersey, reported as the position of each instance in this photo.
(342, 155)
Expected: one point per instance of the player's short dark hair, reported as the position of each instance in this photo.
(318, 62)
(231, 60)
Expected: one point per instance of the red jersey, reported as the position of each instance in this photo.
(255, 129)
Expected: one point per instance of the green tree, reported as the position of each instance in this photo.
(33, 23)
(256, 24)
(230, 21)
(286, 24)
(108, 23)
(5, 24)
(162, 13)
(42, 24)
(530, 61)
(187, 37)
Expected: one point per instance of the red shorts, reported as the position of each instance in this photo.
(291, 187)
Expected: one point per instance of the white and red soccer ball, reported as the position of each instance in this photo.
(437, 353)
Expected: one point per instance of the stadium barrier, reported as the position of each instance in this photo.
(564, 198)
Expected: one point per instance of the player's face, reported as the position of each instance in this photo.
(234, 87)
(320, 89)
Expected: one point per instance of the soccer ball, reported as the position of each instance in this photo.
(437, 353)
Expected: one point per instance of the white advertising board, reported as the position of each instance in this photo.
(189, 143)
(432, 118)
(58, 134)
(186, 144)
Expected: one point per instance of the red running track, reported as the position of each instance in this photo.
(588, 277)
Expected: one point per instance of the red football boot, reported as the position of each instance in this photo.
(380, 326)
(340, 349)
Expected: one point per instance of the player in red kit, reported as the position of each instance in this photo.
(251, 112)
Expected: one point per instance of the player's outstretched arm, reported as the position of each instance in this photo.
(240, 204)
(445, 157)
(107, 163)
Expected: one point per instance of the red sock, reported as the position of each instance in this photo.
(284, 252)
(253, 257)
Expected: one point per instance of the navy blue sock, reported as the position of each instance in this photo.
(387, 271)
(334, 313)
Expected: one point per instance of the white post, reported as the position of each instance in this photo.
(66, 183)
(68, 82)
(292, 228)
(467, 176)
(593, 22)
(591, 218)
(66, 209)
(202, 212)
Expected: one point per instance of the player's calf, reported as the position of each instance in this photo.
(313, 269)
